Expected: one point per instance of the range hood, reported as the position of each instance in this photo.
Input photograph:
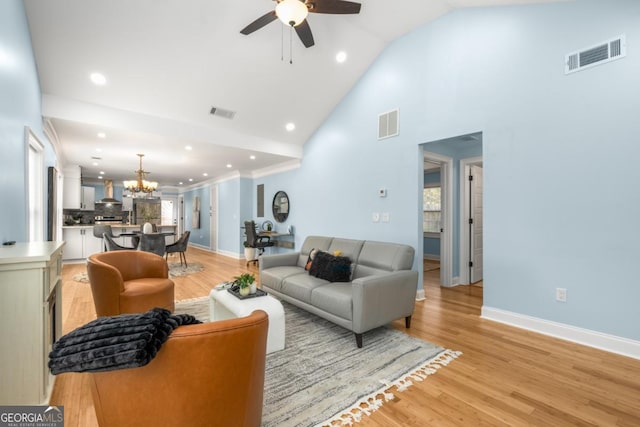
(108, 193)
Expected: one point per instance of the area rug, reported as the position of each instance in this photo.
(322, 378)
(175, 270)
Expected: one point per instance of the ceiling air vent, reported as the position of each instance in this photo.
(388, 124)
(221, 112)
(600, 54)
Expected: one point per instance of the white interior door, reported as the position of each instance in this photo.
(476, 224)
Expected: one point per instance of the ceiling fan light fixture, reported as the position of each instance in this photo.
(292, 12)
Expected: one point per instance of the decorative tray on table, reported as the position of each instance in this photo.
(235, 291)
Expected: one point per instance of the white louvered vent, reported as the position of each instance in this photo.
(221, 112)
(389, 124)
(602, 53)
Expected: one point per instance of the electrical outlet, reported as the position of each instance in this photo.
(561, 294)
(375, 217)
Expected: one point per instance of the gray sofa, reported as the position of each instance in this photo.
(382, 288)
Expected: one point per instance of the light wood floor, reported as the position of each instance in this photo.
(506, 376)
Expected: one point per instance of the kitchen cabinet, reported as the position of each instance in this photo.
(71, 194)
(30, 303)
(80, 243)
(88, 198)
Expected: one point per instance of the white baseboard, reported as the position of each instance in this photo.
(219, 252)
(610, 343)
(231, 254)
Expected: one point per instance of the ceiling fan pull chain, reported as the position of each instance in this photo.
(291, 44)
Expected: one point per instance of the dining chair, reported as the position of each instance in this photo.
(111, 245)
(180, 247)
(99, 230)
(153, 243)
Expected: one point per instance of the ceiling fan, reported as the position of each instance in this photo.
(294, 13)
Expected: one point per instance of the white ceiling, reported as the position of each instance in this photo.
(167, 62)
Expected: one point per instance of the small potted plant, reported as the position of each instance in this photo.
(246, 284)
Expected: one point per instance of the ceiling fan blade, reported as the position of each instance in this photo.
(259, 23)
(333, 6)
(304, 32)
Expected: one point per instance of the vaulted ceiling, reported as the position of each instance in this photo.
(168, 62)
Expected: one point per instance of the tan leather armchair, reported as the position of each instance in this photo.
(204, 375)
(129, 282)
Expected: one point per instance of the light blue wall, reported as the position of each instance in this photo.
(202, 235)
(20, 106)
(272, 184)
(500, 71)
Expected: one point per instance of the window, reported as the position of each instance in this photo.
(431, 205)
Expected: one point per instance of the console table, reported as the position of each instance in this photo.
(30, 303)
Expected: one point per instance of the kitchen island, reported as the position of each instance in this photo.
(80, 241)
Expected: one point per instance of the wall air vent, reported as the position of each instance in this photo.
(221, 112)
(389, 124)
(600, 54)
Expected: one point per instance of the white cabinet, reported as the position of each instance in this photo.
(88, 198)
(80, 243)
(71, 194)
(30, 303)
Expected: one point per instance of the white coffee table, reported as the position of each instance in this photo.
(223, 305)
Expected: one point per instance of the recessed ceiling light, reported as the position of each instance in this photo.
(95, 163)
(101, 172)
(252, 157)
(99, 176)
(190, 179)
(290, 126)
(341, 56)
(98, 79)
(205, 174)
(188, 148)
(229, 165)
(180, 183)
(102, 135)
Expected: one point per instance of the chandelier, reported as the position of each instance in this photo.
(140, 185)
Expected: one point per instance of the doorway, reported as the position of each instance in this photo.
(437, 217)
(472, 223)
(459, 153)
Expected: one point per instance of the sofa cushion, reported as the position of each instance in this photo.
(347, 247)
(274, 276)
(331, 268)
(335, 298)
(379, 258)
(300, 286)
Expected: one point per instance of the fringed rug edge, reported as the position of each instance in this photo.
(374, 401)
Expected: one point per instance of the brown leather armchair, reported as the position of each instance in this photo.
(129, 282)
(204, 375)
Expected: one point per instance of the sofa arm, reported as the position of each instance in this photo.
(280, 260)
(381, 299)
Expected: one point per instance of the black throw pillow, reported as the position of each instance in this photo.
(318, 264)
(332, 268)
